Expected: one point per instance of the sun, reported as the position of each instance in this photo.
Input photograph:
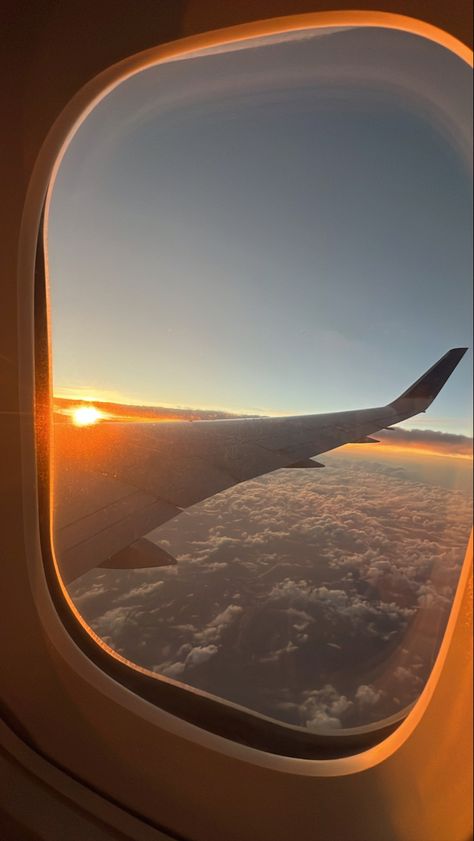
(86, 415)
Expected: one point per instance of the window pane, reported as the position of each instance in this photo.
(276, 229)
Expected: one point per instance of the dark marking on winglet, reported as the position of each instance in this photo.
(427, 387)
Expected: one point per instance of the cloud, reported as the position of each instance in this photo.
(322, 709)
(438, 443)
(316, 599)
(170, 669)
(142, 590)
(200, 654)
(367, 695)
(112, 621)
(215, 628)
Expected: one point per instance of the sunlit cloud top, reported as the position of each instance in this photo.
(426, 441)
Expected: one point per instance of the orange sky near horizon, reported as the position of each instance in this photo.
(415, 449)
(461, 450)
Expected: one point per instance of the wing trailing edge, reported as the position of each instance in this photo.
(141, 554)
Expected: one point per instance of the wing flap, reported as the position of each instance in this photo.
(307, 464)
(141, 554)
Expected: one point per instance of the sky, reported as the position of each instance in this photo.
(280, 229)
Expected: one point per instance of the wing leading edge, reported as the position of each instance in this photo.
(115, 482)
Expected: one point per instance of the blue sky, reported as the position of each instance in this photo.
(281, 229)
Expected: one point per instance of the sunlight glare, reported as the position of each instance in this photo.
(86, 415)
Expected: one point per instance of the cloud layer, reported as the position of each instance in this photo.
(442, 443)
(316, 597)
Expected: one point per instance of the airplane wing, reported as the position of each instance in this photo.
(115, 482)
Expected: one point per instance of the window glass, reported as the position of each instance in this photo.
(276, 228)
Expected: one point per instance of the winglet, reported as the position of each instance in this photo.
(421, 394)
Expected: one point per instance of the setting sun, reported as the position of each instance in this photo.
(86, 415)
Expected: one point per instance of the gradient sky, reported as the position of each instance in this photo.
(282, 229)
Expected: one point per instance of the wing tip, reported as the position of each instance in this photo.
(421, 393)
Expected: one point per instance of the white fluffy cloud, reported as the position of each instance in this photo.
(200, 654)
(322, 709)
(367, 695)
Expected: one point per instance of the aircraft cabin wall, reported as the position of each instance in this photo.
(81, 756)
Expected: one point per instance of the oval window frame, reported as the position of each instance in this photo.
(213, 715)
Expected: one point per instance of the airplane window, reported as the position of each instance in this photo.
(239, 240)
